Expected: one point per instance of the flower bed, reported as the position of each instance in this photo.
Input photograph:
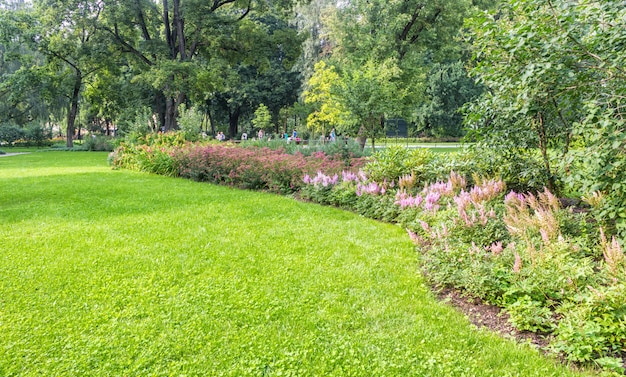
(550, 268)
(247, 168)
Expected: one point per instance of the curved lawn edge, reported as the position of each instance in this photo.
(121, 273)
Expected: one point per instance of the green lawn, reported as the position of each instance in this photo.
(116, 273)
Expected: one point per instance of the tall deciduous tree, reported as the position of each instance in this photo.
(177, 40)
(25, 86)
(266, 75)
(68, 36)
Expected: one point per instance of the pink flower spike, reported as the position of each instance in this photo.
(517, 266)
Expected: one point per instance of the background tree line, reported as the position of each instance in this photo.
(123, 64)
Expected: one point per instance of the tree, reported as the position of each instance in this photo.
(177, 41)
(262, 118)
(24, 85)
(448, 89)
(68, 36)
(555, 78)
(266, 76)
(386, 64)
(325, 95)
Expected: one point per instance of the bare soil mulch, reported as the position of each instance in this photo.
(489, 317)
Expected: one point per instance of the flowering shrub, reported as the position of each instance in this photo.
(248, 168)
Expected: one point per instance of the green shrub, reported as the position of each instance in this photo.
(388, 164)
(99, 143)
(594, 328)
(528, 314)
(190, 122)
(10, 133)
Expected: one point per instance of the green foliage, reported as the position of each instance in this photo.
(190, 122)
(262, 118)
(9, 133)
(323, 94)
(594, 328)
(37, 133)
(448, 89)
(130, 295)
(344, 150)
(529, 315)
(98, 143)
(543, 62)
(395, 161)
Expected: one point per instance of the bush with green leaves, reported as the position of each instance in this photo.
(344, 149)
(395, 161)
(190, 122)
(10, 133)
(100, 143)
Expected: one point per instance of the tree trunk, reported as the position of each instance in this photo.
(170, 114)
(233, 122)
(361, 137)
(71, 115)
(159, 108)
(211, 122)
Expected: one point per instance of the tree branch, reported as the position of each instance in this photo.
(407, 28)
(126, 45)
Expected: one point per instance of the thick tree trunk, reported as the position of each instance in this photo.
(233, 122)
(211, 121)
(71, 115)
(171, 111)
(170, 114)
(159, 108)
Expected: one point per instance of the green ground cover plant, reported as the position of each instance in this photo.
(114, 272)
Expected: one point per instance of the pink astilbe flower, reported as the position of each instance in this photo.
(487, 190)
(514, 199)
(443, 189)
(424, 226)
(614, 257)
(431, 201)
(457, 181)
(415, 237)
(405, 200)
(495, 248)
(362, 176)
(371, 188)
(517, 266)
(348, 176)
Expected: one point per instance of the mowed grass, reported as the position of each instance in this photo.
(116, 273)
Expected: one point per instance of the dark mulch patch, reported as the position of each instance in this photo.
(488, 316)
